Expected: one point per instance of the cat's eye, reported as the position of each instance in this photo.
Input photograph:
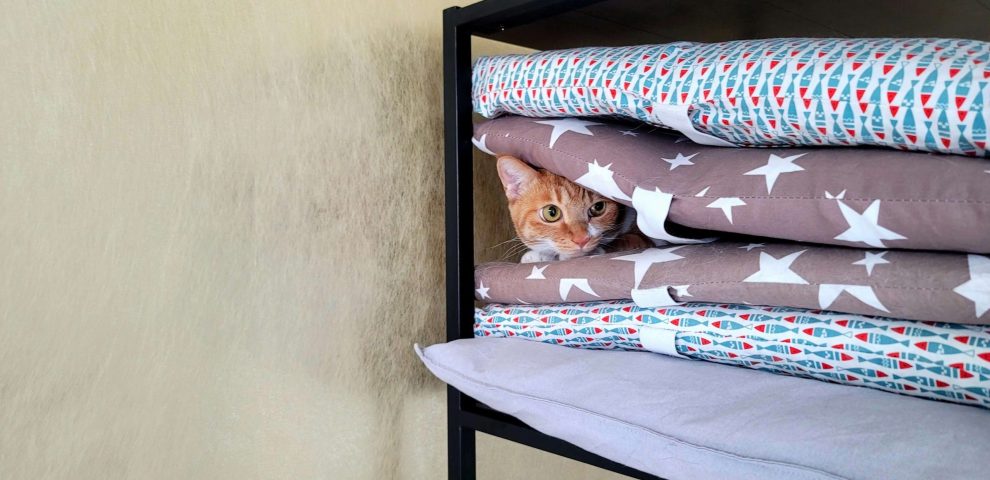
(550, 213)
(597, 208)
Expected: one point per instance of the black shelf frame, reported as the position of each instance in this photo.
(465, 416)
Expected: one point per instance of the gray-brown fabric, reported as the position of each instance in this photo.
(935, 286)
(936, 202)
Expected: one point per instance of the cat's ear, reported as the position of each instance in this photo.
(516, 175)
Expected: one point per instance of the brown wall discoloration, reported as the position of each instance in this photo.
(220, 234)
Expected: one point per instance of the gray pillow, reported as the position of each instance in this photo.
(842, 196)
(683, 419)
(933, 286)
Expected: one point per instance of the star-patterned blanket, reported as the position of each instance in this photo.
(915, 94)
(931, 286)
(926, 359)
(847, 196)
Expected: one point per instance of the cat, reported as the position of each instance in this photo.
(559, 219)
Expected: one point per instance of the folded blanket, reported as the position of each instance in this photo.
(858, 197)
(948, 287)
(918, 94)
(926, 359)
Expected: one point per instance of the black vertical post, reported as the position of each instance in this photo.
(459, 226)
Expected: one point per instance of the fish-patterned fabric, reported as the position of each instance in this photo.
(926, 359)
(915, 285)
(916, 94)
(858, 197)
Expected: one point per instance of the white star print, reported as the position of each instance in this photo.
(827, 293)
(565, 125)
(599, 179)
(977, 288)
(482, 291)
(864, 227)
(751, 246)
(840, 195)
(871, 260)
(679, 160)
(726, 205)
(645, 259)
(537, 273)
(703, 192)
(682, 291)
(776, 166)
(776, 270)
(580, 283)
(480, 143)
(629, 133)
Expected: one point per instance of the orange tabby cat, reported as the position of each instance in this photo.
(558, 219)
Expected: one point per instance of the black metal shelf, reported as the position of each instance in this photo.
(465, 416)
(544, 24)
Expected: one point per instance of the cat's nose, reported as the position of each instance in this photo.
(582, 240)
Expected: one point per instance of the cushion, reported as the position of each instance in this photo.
(918, 94)
(944, 287)
(686, 420)
(842, 196)
(941, 361)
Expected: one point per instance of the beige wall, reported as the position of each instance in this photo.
(220, 234)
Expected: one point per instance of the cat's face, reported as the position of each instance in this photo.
(554, 215)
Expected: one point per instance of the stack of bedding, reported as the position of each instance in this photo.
(863, 266)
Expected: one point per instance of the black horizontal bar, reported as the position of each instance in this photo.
(483, 419)
(490, 16)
